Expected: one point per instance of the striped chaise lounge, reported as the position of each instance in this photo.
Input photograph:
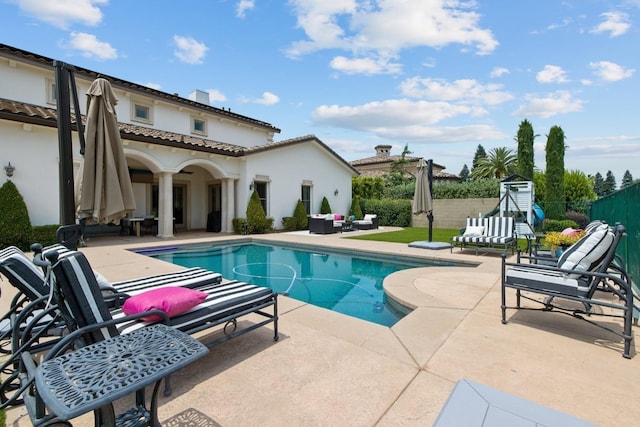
(581, 274)
(487, 233)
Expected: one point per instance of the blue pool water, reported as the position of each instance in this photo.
(345, 283)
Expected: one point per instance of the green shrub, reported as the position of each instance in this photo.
(240, 225)
(300, 216)
(476, 189)
(355, 210)
(390, 212)
(15, 225)
(45, 234)
(256, 218)
(558, 225)
(581, 219)
(289, 223)
(325, 208)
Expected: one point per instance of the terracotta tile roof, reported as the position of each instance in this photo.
(45, 116)
(387, 159)
(45, 62)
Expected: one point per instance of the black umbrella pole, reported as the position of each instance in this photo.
(430, 179)
(63, 74)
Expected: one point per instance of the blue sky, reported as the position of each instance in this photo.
(441, 76)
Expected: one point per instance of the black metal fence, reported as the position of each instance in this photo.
(623, 206)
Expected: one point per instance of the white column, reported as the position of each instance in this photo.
(229, 205)
(165, 202)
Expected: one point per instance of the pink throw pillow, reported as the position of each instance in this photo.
(173, 300)
(337, 217)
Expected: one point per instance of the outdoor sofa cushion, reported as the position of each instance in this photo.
(587, 253)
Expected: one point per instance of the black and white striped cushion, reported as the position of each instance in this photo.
(588, 252)
(86, 305)
(536, 278)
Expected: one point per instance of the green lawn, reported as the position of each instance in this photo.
(412, 234)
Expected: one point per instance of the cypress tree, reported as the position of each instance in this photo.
(609, 183)
(480, 154)
(464, 173)
(554, 183)
(325, 208)
(525, 140)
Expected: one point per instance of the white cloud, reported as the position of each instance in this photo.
(610, 71)
(366, 66)
(268, 98)
(466, 91)
(499, 72)
(91, 47)
(615, 23)
(62, 13)
(558, 102)
(552, 74)
(216, 96)
(189, 50)
(389, 27)
(243, 6)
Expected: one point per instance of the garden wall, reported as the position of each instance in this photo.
(453, 213)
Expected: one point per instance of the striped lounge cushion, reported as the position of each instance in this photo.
(191, 278)
(587, 253)
(554, 281)
(85, 303)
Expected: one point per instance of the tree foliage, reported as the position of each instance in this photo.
(499, 163)
(476, 189)
(465, 175)
(300, 216)
(480, 154)
(399, 173)
(578, 190)
(609, 185)
(539, 185)
(15, 225)
(367, 187)
(525, 140)
(598, 184)
(554, 199)
(356, 209)
(627, 179)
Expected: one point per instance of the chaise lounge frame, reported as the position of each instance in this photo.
(553, 283)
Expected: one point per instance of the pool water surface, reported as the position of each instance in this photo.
(341, 282)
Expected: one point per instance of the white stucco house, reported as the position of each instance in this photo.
(192, 165)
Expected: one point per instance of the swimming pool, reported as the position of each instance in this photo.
(343, 282)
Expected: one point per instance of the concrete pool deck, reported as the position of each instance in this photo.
(331, 369)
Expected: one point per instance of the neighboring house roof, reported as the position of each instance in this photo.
(387, 159)
(44, 62)
(299, 140)
(438, 175)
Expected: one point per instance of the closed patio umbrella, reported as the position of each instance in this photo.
(422, 201)
(105, 193)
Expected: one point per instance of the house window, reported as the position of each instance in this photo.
(51, 95)
(141, 112)
(305, 197)
(198, 126)
(261, 188)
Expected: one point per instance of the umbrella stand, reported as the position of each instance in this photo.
(65, 88)
(429, 244)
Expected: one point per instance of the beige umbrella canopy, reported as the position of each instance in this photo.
(422, 201)
(105, 194)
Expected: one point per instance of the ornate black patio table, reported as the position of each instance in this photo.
(92, 377)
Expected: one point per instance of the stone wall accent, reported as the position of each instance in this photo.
(453, 213)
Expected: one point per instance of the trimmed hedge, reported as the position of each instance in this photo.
(390, 212)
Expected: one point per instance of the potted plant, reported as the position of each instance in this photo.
(558, 241)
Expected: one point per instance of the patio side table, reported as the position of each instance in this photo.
(92, 377)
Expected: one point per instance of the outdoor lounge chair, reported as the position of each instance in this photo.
(583, 271)
(487, 233)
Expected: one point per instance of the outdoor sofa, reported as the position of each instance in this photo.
(486, 234)
(325, 224)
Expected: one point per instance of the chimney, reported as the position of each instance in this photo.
(383, 150)
(199, 96)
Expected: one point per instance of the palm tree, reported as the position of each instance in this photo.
(498, 163)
